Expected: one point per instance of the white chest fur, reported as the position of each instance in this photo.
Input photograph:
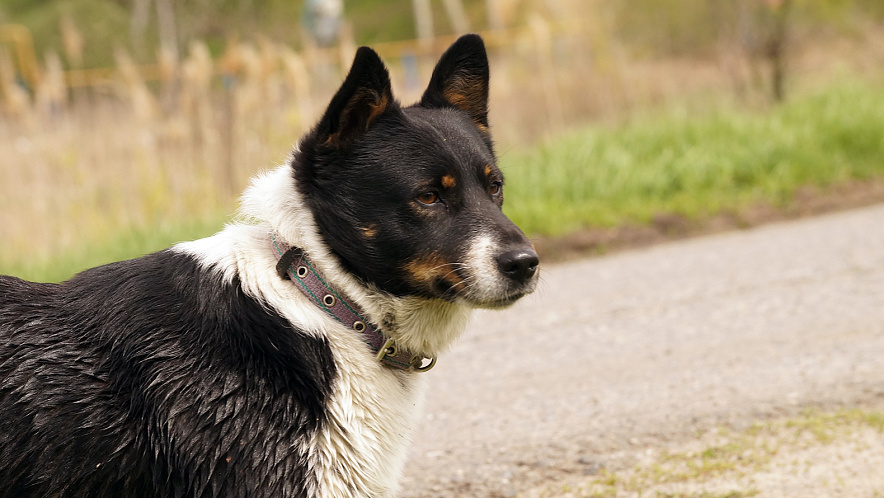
(372, 410)
(371, 416)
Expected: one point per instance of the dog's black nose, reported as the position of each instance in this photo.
(519, 265)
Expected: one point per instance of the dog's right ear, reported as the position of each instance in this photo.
(363, 97)
(460, 80)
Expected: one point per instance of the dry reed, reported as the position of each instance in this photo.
(78, 172)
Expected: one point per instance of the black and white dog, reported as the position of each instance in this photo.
(281, 356)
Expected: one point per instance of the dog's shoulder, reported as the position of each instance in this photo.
(145, 354)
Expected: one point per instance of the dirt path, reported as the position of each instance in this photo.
(617, 356)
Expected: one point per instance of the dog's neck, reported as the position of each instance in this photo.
(424, 326)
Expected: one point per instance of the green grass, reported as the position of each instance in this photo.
(696, 166)
(603, 176)
(103, 25)
(125, 245)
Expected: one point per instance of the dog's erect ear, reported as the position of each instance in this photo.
(461, 80)
(363, 97)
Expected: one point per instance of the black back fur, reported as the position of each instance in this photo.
(99, 400)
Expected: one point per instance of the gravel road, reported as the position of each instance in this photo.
(645, 348)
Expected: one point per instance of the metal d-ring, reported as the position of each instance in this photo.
(417, 360)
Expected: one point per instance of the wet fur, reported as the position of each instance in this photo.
(198, 371)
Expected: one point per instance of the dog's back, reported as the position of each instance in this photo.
(129, 380)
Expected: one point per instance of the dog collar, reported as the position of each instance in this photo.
(292, 264)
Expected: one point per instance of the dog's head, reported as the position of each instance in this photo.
(409, 198)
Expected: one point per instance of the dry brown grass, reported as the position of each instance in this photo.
(137, 153)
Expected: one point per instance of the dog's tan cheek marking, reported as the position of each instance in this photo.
(451, 277)
(422, 271)
(448, 181)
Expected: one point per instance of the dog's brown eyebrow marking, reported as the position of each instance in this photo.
(487, 170)
(370, 231)
(448, 181)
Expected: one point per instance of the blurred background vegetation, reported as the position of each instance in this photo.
(651, 27)
(127, 125)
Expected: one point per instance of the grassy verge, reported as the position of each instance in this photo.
(124, 245)
(671, 162)
(696, 166)
(815, 454)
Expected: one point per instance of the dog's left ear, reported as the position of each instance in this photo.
(460, 80)
(363, 97)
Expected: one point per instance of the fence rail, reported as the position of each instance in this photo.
(20, 38)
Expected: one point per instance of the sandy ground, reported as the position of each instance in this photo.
(620, 358)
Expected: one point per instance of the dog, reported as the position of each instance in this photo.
(284, 355)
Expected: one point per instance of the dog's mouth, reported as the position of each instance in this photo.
(481, 298)
(499, 304)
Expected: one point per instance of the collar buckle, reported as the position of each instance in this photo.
(416, 364)
(388, 349)
(292, 264)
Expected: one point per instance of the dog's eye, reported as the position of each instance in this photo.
(495, 188)
(428, 198)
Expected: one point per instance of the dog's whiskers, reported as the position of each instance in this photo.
(461, 287)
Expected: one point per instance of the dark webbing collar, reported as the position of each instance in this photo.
(293, 265)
